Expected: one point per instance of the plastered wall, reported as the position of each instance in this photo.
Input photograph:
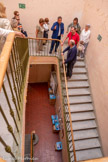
(96, 13)
(36, 9)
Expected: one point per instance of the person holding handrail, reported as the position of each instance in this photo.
(71, 57)
(58, 31)
(72, 35)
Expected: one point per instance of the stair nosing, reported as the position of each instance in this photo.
(88, 102)
(77, 95)
(82, 129)
(95, 137)
(83, 120)
(87, 148)
(79, 111)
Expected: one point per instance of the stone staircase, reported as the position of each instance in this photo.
(86, 136)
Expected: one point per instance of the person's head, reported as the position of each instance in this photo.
(2, 11)
(41, 21)
(16, 14)
(14, 23)
(73, 30)
(75, 21)
(87, 27)
(71, 43)
(59, 20)
(46, 20)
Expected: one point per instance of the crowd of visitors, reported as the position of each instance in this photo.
(77, 40)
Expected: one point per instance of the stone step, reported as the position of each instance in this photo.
(77, 84)
(79, 70)
(82, 116)
(78, 100)
(89, 154)
(82, 125)
(78, 92)
(83, 134)
(78, 64)
(81, 108)
(80, 77)
(86, 144)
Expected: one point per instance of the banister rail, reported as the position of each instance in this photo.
(13, 68)
(5, 55)
(67, 96)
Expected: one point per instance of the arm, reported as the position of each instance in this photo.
(62, 31)
(5, 32)
(53, 27)
(69, 27)
(66, 49)
(79, 29)
(37, 33)
(37, 30)
(72, 55)
(19, 34)
(65, 39)
(78, 39)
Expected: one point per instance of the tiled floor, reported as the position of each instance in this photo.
(38, 118)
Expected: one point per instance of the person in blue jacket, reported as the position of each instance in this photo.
(71, 57)
(58, 31)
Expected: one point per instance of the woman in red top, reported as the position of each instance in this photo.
(72, 35)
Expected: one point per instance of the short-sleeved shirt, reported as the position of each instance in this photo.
(75, 37)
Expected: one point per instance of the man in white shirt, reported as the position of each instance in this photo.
(84, 39)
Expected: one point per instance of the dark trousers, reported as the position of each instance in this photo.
(45, 34)
(70, 66)
(56, 43)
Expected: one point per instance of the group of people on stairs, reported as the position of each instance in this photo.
(77, 40)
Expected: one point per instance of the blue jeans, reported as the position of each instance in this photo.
(56, 43)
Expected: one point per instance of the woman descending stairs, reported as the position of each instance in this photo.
(86, 136)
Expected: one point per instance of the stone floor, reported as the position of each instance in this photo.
(38, 118)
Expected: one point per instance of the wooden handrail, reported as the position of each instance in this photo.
(31, 146)
(1, 160)
(5, 55)
(70, 118)
(43, 39)
(97, 160)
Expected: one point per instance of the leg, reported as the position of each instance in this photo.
(85, 45)
(67, 74)
(52, 46)
(57, 43)
(71, 65)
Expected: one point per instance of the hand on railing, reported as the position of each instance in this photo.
(19, 34)
(62, 43)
